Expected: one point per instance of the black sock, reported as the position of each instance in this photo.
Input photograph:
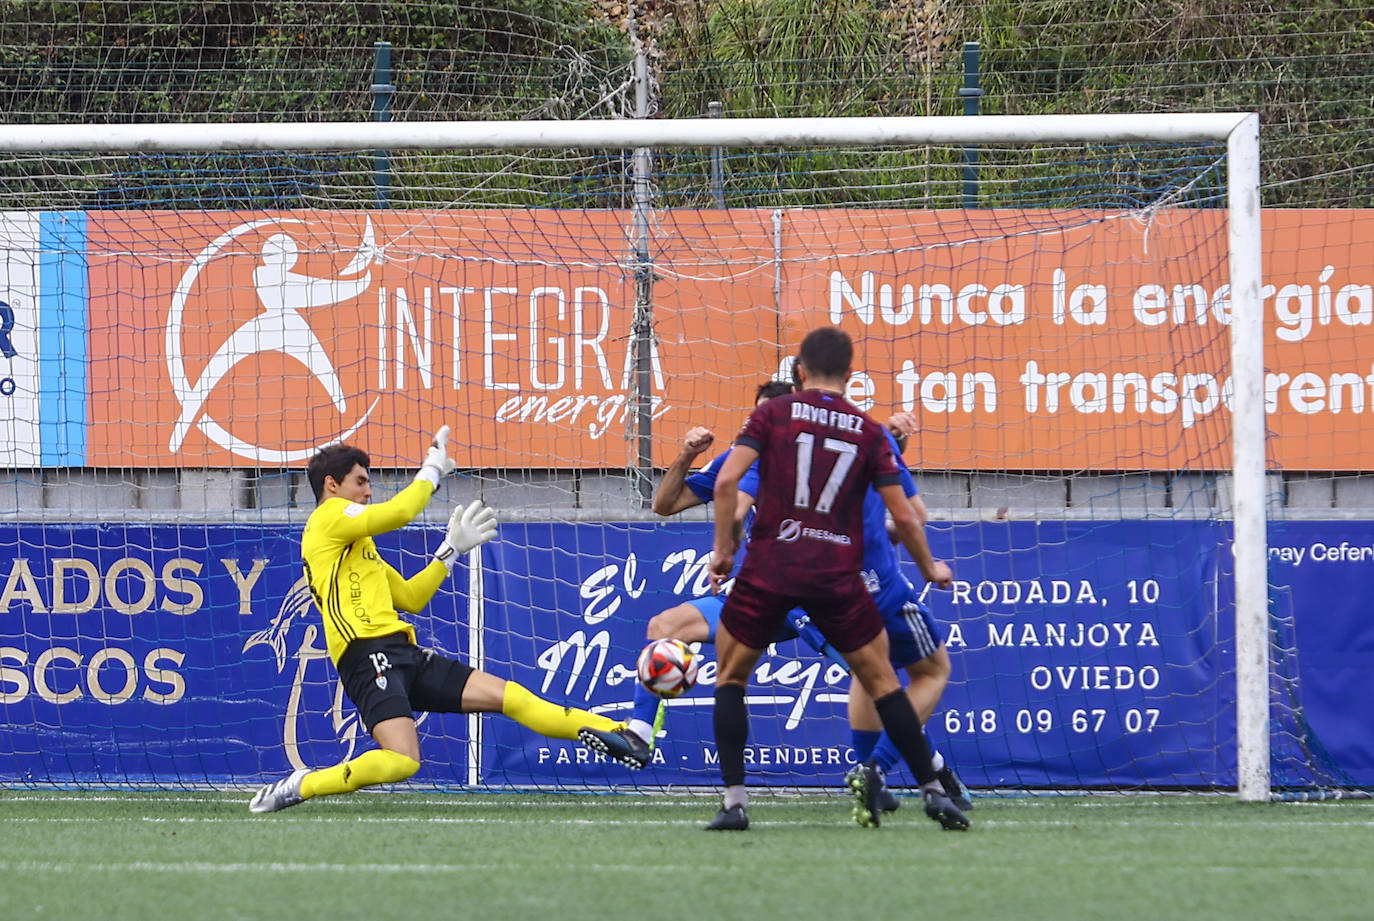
(904, 728)
(731, 723)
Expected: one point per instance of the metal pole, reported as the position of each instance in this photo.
(644, 284)
(382, 91)
(1249, 516)
(972, 94)
(715, 110)
(620, 133)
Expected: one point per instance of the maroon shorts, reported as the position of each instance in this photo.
(845, 612)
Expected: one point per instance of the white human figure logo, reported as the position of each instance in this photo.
(283, 294)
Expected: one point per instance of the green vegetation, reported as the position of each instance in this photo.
(168, 60)
(1303, 67)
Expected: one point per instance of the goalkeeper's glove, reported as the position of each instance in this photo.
(468, 527)
(437, 464)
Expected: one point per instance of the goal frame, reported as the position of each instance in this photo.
(1238, 130)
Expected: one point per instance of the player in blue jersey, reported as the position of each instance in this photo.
(916, 646)
(695, 620)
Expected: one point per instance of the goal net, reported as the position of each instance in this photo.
(1070, 307)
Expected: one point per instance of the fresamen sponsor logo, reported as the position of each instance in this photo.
(791, 530)
(828, 536)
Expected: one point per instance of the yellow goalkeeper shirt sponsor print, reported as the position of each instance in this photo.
(357, 592)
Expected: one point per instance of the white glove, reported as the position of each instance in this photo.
(468, 527)
(437, 464)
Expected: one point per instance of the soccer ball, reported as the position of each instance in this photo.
(668, 667)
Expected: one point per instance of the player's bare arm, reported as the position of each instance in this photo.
(726, 505)
(902, 426)
(672, 495)
(913, 537)
(918, 507)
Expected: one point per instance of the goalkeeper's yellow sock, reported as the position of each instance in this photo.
(379, 765)
(549, 719)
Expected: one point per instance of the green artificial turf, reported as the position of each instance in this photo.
(106, 855)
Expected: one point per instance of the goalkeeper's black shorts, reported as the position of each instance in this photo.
(389, 676)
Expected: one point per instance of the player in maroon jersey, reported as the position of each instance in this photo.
(817, 455)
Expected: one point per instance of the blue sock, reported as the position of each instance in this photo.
(863, 742)
(885, 754)
(645, 704)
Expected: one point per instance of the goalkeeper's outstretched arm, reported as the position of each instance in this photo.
(362, 518)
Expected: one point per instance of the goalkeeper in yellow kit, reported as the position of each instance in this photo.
(386, 675)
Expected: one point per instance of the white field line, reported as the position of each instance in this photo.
(297, 818)
(452, 801)
(201, 866)
(680, 797)
(142, 866)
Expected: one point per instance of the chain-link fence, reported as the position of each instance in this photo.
(1303, 67)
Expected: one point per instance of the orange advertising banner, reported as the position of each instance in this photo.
(1022, 340)
(222, 339)
(1059, 340)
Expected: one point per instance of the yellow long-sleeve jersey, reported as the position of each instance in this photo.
(357, 592)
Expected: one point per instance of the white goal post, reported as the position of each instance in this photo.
(1238, 131)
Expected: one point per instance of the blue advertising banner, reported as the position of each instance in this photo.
(1084, 654)
(175, 654)
(1324, 644)
(574, 634)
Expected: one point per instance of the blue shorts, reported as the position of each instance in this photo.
(912, 633)
(710, 607)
